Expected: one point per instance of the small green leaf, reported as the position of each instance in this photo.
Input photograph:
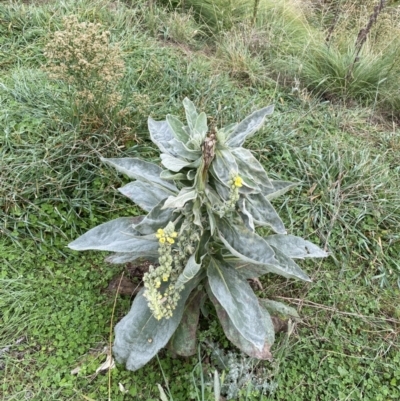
(295, 247)
(279, 309)
(237, 298)
(248, 126)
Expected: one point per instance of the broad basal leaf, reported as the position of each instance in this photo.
(139, 335)
(185, 195)
(183, 341)
(249, 165)
(295, 247)
(248, 126)
(263, 212)
(140, 170)
(245, 244)
(144, 195)
(125, 257)
(236, 296)
(115, 236)
(283, 266)
(238, 340)
(279, 188)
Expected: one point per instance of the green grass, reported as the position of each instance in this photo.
(54, 313)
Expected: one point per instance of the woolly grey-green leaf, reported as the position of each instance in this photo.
(115, 236)
(177, 129)
(200, 128)
(248, 126)
(144, 195)
(248, 165)
(224, 165)
(161, 135)
(185, 195)
(235, 295)
(245, 244)
(183, 341)
(189, 272)
(175, 164)
(157, 218)
(139, 335)
(238, 340)
(191, 113)
(140, 170)
(168, 175)
(125, 257)
(279, 188)
(263, 212)
(296, 247)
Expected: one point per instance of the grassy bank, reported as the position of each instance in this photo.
(341, 142)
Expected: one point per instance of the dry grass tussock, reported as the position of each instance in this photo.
(81, 55)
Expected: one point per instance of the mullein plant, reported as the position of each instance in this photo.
(200, 232)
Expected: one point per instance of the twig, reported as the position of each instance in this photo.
(111, 331)
(328, 308)
(362, 35)
(334, 23)
(256, 4)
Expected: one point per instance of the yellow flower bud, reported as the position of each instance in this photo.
(162, 240)
(170, 240)
(174, 234)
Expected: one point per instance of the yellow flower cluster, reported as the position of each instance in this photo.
(164, 238)
(238, 181)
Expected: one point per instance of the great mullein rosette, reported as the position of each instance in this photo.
(200, 234)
